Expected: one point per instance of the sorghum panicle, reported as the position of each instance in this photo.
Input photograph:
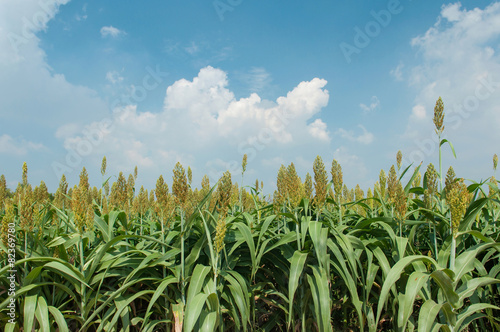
(439, 116)
(320, 182)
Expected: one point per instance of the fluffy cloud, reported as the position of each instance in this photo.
(19, 147)
(201, 116)
(365, 138)
(111, 31)
(373, 105)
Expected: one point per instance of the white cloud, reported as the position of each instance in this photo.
(11, 146)
(192, 48)
(373, 105)
(418, 112)
(257, 79)
(111, 31)
(318, 130)
(397, 72)
(114, 77)
(365, 138)
(202, 122)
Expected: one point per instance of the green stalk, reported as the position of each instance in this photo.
(25, 254)
(163, 253)
(453, 252)
(435, 241)
(182, 259)
(440, 165)
(84, 291)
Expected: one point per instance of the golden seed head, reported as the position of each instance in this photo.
(60, 199)
(103, 166)
(83, 213)
(141, 202)
(224, 191)
(417, 180)
(293, 186)
(25, 206)
(431, 182)
(41, 193)
(400, 202)
(25, 174)
(369, 194)
(3, 191)
(308, 186)
(281, 191)
(382, 181)
(457, 199)
(493, 188)
(337, 177)
(439, 116)
(130, 188)
(205, 186)
(495, 162)
(320, 182)
(189, 175)
(346, 194)
(84, 179)
(161, 193)
(399, 159)
(358, 192)
(179, 185)
(450, 180)
(244, 164)
(220, 233)
(119, 192)
(257, 185)
(392, 181)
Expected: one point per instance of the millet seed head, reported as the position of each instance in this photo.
(392, 181)
(244, 164)
(103, 166)
(495, 162)
(382, 181)
(457, 199)
(439, 116)
(337, 177)
(399, 159)
(25, 174)
(450, 180)
(320, 182)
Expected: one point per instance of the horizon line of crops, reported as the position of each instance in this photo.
(406, 256)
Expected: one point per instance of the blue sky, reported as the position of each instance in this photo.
(203, 82)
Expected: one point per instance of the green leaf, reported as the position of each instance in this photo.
(451, 146)
(193, 310)
(427, 315)
(414, 284)
(59, 318)
(296, 267)
(197, 281)
(446, 284)
(42, 315)
(30, 303)
(394, 275)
